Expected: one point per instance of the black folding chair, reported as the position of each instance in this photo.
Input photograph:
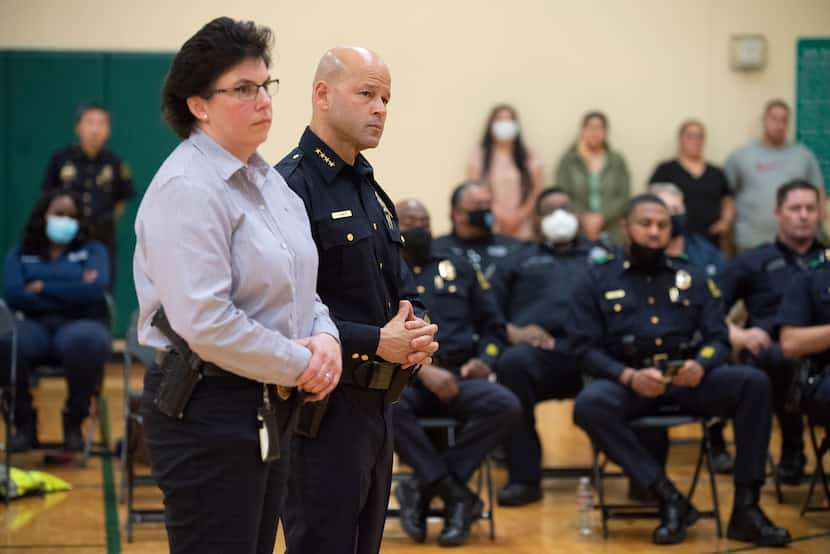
(820, 449)
(134, 352)
(641, 511)
(7, 327)
(484, 478)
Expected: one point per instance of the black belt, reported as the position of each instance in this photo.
(371, 375)
(208, 369)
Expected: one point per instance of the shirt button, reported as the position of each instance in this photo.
(350, 237)
(380, 265)
(655, 320)
(658, 341)
(651, 300)
(284, 246)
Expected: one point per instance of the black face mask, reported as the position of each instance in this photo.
(645, 257)
(678, 225)
(417, 245)
(482, 219)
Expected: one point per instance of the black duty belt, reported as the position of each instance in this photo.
(371, 375)
(208, 369)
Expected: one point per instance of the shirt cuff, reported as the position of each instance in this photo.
(362, 340)
(291, 363)
(325, 325)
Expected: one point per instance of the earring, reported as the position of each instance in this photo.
(204, 116)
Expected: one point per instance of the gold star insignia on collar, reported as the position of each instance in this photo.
(323, 157)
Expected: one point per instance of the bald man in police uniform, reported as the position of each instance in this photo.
(100, 178)
(472, 335)
(631, 317)
(338, 487)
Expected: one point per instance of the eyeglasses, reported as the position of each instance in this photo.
(249, 91)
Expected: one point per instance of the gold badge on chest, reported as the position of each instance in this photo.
(683, 280)
(68, 172)
(446, 270)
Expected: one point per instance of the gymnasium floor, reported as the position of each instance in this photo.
(89, 519)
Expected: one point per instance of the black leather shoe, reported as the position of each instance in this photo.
(749, 523)
(414, 502)
(24, 437)
(721, 460)
(73, 438)
(676, 514)
(519, 494)
(790, 468)
(458, 516)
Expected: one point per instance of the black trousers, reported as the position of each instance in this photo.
(219, 497)
(533, 375)
(338, 488)
(741, 393)
(487, 412)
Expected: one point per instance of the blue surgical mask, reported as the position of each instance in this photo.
(61, 229)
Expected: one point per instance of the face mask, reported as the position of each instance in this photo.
(60, 229)
(483, 219)
(417, 245)
(678, 225)
(560, 226)
(504, 129)
(644, 257)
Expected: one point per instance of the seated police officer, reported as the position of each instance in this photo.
(455, 385)
(641, 311)
(534, 287)
(760, 277)
(472, 229)
(805, 332)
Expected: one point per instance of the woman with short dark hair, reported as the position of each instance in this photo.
(57, 281)
(224, 251)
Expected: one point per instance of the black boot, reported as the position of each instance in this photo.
(676, 513)
(519, 494)
(750, 524)
(461, 508)
(790, 468)
(414, 500)
(73, 438)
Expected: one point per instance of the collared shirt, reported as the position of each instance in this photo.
(760, 276)
(460, 301)
(621, 315)
(484, 254)
(100, 182)
(226, 249)
(807, 303)
(355, 227)
(535, 285)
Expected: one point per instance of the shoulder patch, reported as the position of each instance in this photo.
(599, 255)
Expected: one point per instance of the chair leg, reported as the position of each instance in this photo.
(705, 451)
(776, 481)
(598, 483)
(819, 475)
(490, 506)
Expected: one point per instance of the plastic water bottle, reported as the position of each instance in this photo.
(585, 506)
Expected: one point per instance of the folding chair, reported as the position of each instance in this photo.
(639, 511)
(134, 352)
(484, 476)
(819, 473)
(7, 327)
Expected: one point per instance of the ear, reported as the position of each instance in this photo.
(320, 95)
(198, 107)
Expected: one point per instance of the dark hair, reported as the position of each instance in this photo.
(547, 192)
(458, 192)
(519, 150)
(89, 107)
(645, 198)
(213, 50)
(35, 242)
(688, 123)
(776, 103)
(796, 184)
(596, 114)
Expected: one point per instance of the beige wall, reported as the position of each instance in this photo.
(647, 63)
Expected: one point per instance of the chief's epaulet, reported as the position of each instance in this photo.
(600, 255)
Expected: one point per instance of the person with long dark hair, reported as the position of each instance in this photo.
(597, 180)
(57, 280)
(512, 171)
(224, 248)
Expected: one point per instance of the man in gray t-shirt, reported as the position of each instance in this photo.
(756, 170)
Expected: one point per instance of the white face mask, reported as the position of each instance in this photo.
(560, 226)
(504, 129)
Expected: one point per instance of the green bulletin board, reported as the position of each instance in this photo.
(812, 100)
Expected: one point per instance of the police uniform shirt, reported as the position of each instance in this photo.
(100, 182)
(621, 316)
(536, 283)
(355, 228)
(760, 276)
(807, 303)
(485, 254)
(460, 301)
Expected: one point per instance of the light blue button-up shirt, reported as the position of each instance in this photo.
(226, 248)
